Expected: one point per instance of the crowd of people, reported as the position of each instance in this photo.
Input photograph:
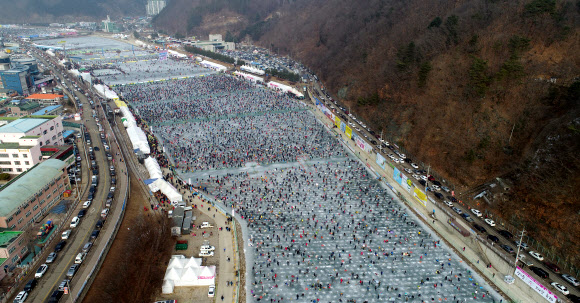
(320, 227)
(201, 98)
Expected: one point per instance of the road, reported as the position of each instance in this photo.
(554, 277)
(81, 234)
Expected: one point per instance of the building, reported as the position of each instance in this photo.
(212, 46)
(154, 7)
(18, 157)
(48, 129)
(12, 250)
(17, 78)
(46, 99)
(215, 38)
(110, 26)
(49, 110)
(28, 197)
(20, 109)
(26, 61)
(4, 61)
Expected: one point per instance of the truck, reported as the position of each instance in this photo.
(95, 180)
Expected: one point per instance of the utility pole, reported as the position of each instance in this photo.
(519, 247)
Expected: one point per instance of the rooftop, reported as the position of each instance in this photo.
(44, 96)
(22, 125)
(12, 145)
(46, 110)
(27, 184)
(29, 106)
(6, 237)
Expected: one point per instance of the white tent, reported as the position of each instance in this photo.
(187, 272)
(285, 88)
(252, 69)
(167, 189)
(105, 91)
(167, 287)
(249, 77)
(138, 139)
(153, 168)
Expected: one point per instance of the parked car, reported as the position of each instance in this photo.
(561, 288)
(55, 296)
(30, 285)
(87, 204)
(553, 267)
(63, 284)
(489, 222)
(457, 210)
(207, 247)
(99, 224)
(476, 212)
(72, 270)
(51, 257)
(95, 234)
(205, 253)
(87, 247)
(59, 246)
(211, 291)
(21, 297)
(448, 203)
(536, 255)
(571, 280)
(82, 213)
(74, 222)
(80, 257)
(522, 244)
(507, 248)
(479, 228)
(438, 196)
(66, 234)
(506, 234)
(493, 238)
(40, 271)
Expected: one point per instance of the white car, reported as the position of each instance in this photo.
(205, 253)
(402, 156)
(424, 178)
(476, 212)
(87, 204)
(536, 255)
(211, 291)
(414, 165)
(561, 288)
(207, 248)
(489, 222)
(206, 225)
(408, 170)
(66, 234)
(40, 271)
(448, 203)
(21, 297)
(75, 222)
(435, 187)
(571, 279)
(416, 177)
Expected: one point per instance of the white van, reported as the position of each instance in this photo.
(80, 258)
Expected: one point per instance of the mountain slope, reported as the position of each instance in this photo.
(473, 88)
(46, 11)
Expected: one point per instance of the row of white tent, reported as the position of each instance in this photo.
(183, 271)
(249, 77)
(252, 69)
(213, 65)
(158, 183)
(284, 88)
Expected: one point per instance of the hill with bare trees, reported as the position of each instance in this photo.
(477, 89)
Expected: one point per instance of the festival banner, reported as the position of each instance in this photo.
(337, 121)
(397, 176)
(342, 126)
(348, 132)
(420, 196)
(381, 161)
(360, 142)
(162, 55)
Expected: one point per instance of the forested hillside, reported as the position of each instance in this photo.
(475, 88)
(47, 11)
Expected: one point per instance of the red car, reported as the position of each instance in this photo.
(431, 178)
(552, 267)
